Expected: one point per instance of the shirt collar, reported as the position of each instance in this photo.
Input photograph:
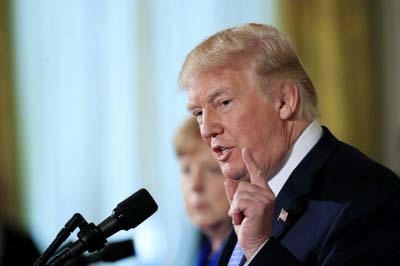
(301, 147)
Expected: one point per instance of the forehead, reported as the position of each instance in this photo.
(208, 85)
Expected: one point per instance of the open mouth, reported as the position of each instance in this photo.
(222, 153)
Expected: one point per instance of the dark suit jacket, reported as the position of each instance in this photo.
(344, 209)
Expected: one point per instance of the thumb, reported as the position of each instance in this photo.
(230, 188)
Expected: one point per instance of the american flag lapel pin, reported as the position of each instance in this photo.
(283, 215)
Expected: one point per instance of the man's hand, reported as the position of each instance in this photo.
(252, 207)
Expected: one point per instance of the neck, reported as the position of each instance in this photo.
(217, 233)
(291, 132)
(295, 129)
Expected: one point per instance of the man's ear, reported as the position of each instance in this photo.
(289, 100)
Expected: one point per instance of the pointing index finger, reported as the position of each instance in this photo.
(256, 177)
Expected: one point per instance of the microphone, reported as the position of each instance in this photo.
(128, 214)
(110, 253)
(113, 252)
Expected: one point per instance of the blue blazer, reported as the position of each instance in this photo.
(205, 257)
(344, 209)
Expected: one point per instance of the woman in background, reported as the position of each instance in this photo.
(203, 191)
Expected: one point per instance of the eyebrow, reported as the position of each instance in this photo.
(190, 106)
(216, 93)
(211, 97)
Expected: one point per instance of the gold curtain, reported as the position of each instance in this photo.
(334, 39)
(9, 194)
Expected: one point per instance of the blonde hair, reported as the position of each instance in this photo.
(187, 137)
(265, 50)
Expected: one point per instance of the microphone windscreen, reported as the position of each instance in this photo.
(118, 250)
(135, 209)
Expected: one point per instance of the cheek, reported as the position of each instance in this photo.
(184, 187)
(189, 206)
(242, 129)
(221, 207)
(237, 122)
(217, 193)
(186, 192)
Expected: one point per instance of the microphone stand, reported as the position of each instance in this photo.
(75, 221)
(90, 238)
(128, 214)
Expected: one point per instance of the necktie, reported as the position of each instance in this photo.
(236, 256)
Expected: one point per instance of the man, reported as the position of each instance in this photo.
(298, 195)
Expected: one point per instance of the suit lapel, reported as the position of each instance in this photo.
(228, 249)
(287, 211)
(294, 196)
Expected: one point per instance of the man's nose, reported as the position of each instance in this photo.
(210, 125)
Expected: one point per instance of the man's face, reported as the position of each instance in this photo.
(203, 189)
(232, 114)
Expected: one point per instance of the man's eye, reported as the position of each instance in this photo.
(226, 102)
(197, 113)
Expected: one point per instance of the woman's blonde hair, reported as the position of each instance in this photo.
(187, 137)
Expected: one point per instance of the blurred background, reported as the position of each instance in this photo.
(89, 101)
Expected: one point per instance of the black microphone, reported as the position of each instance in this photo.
(128, 214)
(112, 252)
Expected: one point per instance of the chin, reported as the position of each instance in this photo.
(214, 224)
(204, 224)
(234, 173)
